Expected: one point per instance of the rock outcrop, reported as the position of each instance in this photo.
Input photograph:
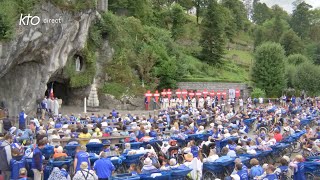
(37, 53)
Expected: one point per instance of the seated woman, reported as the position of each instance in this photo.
(212, 156)
(59, 154)
(148, 168)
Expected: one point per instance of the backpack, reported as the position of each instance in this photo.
(4, 166)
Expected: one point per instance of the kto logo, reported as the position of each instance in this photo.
(26, 20)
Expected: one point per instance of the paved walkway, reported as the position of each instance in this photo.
(79, 110)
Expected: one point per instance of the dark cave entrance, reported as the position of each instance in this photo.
(60, 90)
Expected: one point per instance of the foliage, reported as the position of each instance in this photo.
(290, 75)
(297, 59)
(317, 55)
(75, 6)
(291, 42)
(83, 78)
(142, 53)
(212, 40)
(261, 12)
(115, 89)
(300, 19)
(271, 30)
(238, 12)
(308, 78)
(178, 20)
(268, 69)
(258, 93)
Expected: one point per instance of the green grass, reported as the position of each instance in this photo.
(230, 72)
(240, 57)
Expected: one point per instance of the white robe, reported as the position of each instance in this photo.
(165, 103)
(56, 107)
(209, 101)
(201, 103)
(49, 105)
(194, 102)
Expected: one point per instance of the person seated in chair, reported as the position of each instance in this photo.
(148, 168)
(59, 154)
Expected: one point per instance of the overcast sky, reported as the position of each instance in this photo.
(287, 4)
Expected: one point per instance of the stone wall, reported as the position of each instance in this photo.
(215, 86)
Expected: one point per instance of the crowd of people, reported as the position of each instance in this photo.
(216, 119)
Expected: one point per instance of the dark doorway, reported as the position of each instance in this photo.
(60, 90)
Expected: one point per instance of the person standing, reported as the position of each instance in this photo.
(241, 104)
(22, 120)
(44, 107)
(103, 167)
(5, 156)
(37, 164)
(49, 105)
(81, 156)
(56, 107)
(7, 124)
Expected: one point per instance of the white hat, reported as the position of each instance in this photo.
(211, 124)
(286, 158)
(115, 129)
(220, 126)
(52, 123)
(201, 128)
(89, 126)
(147, 161)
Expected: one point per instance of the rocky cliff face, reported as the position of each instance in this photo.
(37, 53)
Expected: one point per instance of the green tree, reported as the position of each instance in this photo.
(178, 21)
(278, 11)
(297, 59)
(308, 78)
(200, 7)
(258, 93)
(268, 68)
(300, 21)
(230, 26)
(238, 12)
(259, 37)
(315, 25)
(291, 42)
(274, 28)
(212, 40)
(290, 75)
(316, 56)
(261, 12)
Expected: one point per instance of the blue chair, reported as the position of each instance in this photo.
(71, 150)
(125, 176)
(136, 145)
(132, 159)
(165, 175)
(180, 174)
(47, 151)
(94, 147)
